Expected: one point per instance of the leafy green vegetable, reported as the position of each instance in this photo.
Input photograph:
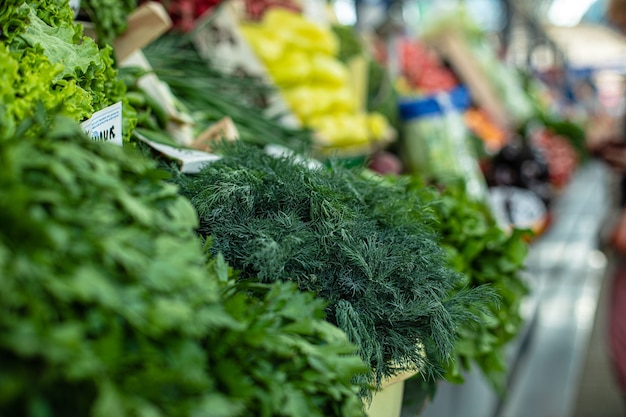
(287, 361)
(109, 17)
(108, 308)
(89, 290)
(485, 254)
(45, 31)
(58, 45)
(367, 248)
(14, 17)
(27, 77)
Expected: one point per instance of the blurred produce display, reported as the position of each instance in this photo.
(301, 58)
(359, 207)
(422, 70)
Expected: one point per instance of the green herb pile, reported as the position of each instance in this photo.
(109, 308)
(56, 65)
(367, 248)
(282, 358)
(484, 254)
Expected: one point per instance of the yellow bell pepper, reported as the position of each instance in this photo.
(377, 126)
(299, 31)
(328, 70)
(310, 100)
(267, 46)
(343, 100)
(301, 100)
(341, 129)
(294, 67)
(323, 98)
(300, 56)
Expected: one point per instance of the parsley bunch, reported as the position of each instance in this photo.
(366, 247)
(483, 253)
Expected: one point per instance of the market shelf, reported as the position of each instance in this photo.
(566, 270)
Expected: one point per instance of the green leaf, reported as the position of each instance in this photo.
(109, 402)
(216, 405)
(484, 254)
(58, 45)
(473, 248)
(517, 251)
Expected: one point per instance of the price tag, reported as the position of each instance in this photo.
(191, 161)
(517, 207)
(106, 125)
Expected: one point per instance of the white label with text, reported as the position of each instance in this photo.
(106, 125)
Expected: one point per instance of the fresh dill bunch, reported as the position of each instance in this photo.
(366, 246)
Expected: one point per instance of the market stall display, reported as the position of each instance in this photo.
(495, 86)
(121, 282)
(335, 235)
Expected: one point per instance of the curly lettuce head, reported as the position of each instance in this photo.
(69, 64)
(14, 16)
(28, 78)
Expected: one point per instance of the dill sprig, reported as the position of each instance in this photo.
(369, 248)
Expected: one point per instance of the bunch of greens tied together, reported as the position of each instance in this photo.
(365, 246)
(46, 59)
(109, 308)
